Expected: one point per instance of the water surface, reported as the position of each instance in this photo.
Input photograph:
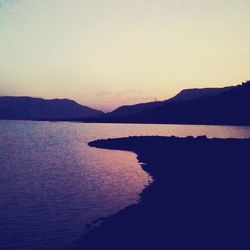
(52, 183)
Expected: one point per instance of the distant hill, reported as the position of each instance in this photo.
(28, 108)
(228, 105)
(184, 95)
(191, 94)
(133, 109)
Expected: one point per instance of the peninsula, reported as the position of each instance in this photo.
(199, 198)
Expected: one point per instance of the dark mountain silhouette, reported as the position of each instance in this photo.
(134, 109)
(191, 94)
(184, 95)
(228, 105)
(28, 108)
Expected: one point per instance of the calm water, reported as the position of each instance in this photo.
(52, 183)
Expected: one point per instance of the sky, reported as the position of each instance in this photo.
(105, 53)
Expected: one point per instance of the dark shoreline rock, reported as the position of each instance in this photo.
(199, 199)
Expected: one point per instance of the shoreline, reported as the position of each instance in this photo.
(197, 200)
(132, 123)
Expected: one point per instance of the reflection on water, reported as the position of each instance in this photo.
(52, 183)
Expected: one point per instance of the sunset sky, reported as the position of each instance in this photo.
(112, 52)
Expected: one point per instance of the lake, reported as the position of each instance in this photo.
(52, 183)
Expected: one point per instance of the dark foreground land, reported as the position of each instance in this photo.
(199, 198)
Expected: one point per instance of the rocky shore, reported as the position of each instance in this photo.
(199, 198)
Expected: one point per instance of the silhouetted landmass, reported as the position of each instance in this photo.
(133, 109)
(184, 95)
(199, 198)
(226, 106)
(191, 94)
(28, 108)
(223, 106)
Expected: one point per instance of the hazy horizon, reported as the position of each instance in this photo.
(104, 54)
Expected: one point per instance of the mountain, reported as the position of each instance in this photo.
(228, 105)
(133, 109)
(184, 95)
(191, 94)
(28, 108)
